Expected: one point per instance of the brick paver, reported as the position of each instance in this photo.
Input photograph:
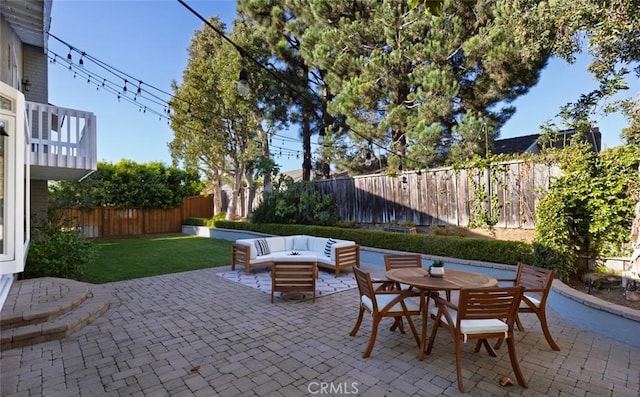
(197, 334)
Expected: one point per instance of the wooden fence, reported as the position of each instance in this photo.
(120, 222)
(508, 192)
(445, 196)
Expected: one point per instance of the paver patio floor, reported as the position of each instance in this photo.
(197, 334)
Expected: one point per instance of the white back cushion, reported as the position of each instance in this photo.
(317, 244)
(300, 243)
(276, 244)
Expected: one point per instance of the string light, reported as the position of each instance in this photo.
(160, 97)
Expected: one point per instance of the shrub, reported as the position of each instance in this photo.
(588, 210)
(509, 252)
(296, 203)
(57, 253)
(195, 221)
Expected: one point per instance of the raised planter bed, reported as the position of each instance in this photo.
(401, 229)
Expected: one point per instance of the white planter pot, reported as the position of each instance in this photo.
(436, 271)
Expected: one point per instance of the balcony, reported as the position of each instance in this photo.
(63, 142)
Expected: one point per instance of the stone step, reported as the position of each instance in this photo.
(45, 309)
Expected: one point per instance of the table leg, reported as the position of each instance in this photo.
(425, 316)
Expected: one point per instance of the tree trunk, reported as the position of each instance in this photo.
(252, 192)
(217, 194)
(235, 194)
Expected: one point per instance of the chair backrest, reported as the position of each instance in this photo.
(535, 280)
(489, 303)
(397, 261)
(365, 286)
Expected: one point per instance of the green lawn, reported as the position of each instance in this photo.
(127, 258)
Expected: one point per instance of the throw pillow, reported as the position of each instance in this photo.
(327, 247)
(262, 247)
(300, 244)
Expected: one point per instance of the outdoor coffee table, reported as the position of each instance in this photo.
(453, 280)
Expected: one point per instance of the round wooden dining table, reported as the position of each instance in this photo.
(453, 280)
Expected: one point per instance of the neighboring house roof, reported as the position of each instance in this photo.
(531, 143)
(519, 144)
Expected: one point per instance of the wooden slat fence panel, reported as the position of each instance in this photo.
(444, 196)
(119, 222)
(197, 206)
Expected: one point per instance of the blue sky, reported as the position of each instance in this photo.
(148, 39)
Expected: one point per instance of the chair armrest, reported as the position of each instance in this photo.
(444, 302)
(513, 280)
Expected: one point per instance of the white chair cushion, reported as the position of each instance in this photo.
(317, 244)
(300, 243)
(276, 244)
(384, 299)
(533, 300)
(471, 327)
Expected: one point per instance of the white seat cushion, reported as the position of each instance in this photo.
(384, 299)
(533, 300)
(471, 327)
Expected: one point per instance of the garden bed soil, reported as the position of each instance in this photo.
(614, 294)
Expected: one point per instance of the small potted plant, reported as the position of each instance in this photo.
(437, 269)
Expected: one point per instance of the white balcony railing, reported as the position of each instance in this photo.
(63, 142)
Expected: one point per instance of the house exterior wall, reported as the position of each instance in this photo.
(10, 53)
(39, 200)
(35, 69)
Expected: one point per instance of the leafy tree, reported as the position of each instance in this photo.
(302, 88)
(127, 184)
(216, 130)
(214, 127)
(423, 82)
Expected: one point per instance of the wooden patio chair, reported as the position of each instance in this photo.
(380, 304)
(395, 261)
(537, 284)
(293, 277)
(481, 313)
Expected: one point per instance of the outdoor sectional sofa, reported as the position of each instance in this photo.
(328, 253)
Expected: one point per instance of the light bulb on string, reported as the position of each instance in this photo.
(139, 87)
(367, 159)
(125, 87)
(69, 57)
(243, 88)
(81, 61)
